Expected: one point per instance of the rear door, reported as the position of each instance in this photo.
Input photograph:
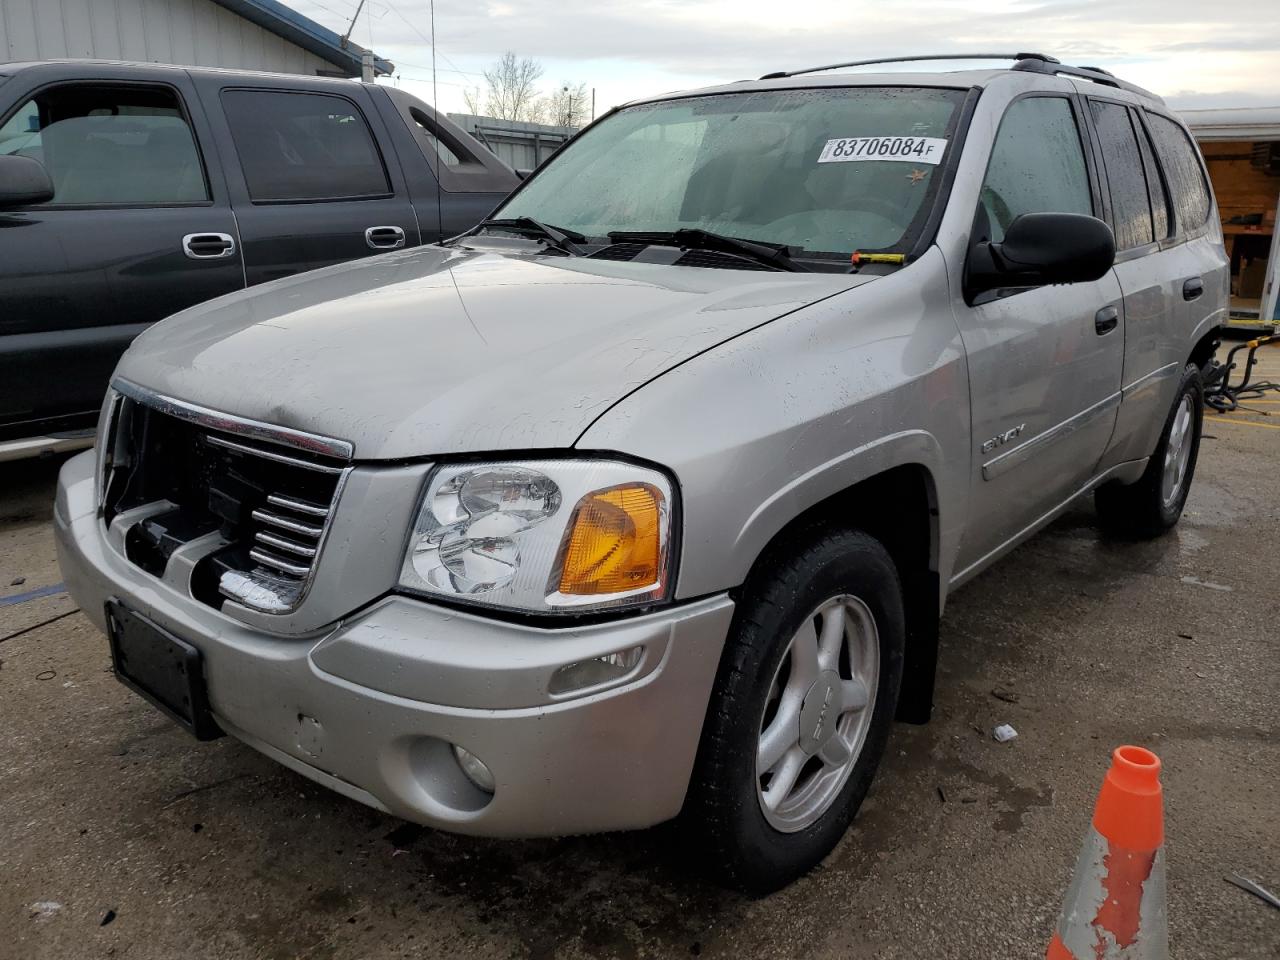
(309, 181)
(1201, 270)
(1137, 208)
(140, 227)
(1044, 366)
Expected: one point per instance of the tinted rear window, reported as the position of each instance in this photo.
(303, 146)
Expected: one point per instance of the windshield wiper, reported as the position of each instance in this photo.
(558, 237)
(776, 255)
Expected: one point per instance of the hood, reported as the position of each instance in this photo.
(442, 350)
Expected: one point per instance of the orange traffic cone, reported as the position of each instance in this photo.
(1115, 906)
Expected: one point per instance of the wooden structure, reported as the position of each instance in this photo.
(1242, 150)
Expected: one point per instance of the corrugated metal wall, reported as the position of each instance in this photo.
(521, 145)
(190, 32)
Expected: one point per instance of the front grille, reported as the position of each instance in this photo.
(260, 510)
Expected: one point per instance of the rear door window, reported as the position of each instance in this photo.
(1130, 202)
(303, 147)
(1181, 161)
(1037, 165)
(104, 145)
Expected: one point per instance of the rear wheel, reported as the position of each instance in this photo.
(1154, 503)
(802, 707)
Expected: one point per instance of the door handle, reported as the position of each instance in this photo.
(1106, 320)
(1192, 288)
(384, 238)
(208, 246)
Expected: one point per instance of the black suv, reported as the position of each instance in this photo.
(129, 192)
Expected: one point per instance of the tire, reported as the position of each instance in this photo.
(832, 577)
(1154, 503)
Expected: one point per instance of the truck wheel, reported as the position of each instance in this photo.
(1154, 503)
(803, 702)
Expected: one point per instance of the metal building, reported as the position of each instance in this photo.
(243, 34)
(520, 144)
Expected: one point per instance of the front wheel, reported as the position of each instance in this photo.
(1154, 503)
(801, 711)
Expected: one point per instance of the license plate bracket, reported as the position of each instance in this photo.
(165, 670)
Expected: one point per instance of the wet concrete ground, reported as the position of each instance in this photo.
(963, 849)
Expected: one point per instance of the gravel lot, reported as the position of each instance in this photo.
(154, 846)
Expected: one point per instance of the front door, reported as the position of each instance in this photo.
(309, 184)
(1044, 363)
(136, 230)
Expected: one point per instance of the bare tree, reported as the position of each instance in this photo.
(473, 97)
(510, 92)
(568, 106)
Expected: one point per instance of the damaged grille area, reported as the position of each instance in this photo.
(251, 512)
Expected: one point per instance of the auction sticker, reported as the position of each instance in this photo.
(910, 149)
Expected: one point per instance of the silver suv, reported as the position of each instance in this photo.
(644, 497)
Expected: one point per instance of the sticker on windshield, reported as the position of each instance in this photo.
(910, 149)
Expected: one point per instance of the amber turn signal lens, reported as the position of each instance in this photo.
(615, 544)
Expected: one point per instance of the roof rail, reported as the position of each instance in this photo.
(1029, 62)
(1040, 57)
(1096, 74)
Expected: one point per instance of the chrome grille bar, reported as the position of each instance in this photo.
(271, 455)
(297, 506)
(280, 543)
(287, 523)
(279, 563)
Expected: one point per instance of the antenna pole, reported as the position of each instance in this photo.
(352, 25)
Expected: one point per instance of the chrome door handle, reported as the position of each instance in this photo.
(1106, 320)
(384, 238)
(208, 246)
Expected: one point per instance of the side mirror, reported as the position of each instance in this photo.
(524, 173)
(23, 181)
(1040, 249)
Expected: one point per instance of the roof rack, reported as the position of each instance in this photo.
(1028, 62)
(1096, 74)
(1044, 58)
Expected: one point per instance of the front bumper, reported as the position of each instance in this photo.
(372, 706)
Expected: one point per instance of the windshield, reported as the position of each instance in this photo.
(826, 170)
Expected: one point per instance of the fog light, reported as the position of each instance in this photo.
(593, 672)
(474, 768)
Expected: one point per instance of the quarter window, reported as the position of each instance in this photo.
(122, 146)
(1181, 162)
(303, 146)
(1161, 207)
(1130, 203)
(1037, 165)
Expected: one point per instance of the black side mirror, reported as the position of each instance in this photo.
(23, 181)
(524, 173)
(1040, 249)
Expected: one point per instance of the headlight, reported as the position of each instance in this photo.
(542, 536)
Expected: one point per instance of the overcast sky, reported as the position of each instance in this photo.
(1195, 53)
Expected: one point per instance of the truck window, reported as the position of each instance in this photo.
(1181, 163)
(129, 146)
(1037, 164)
(1130, 202)
(303, 146)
